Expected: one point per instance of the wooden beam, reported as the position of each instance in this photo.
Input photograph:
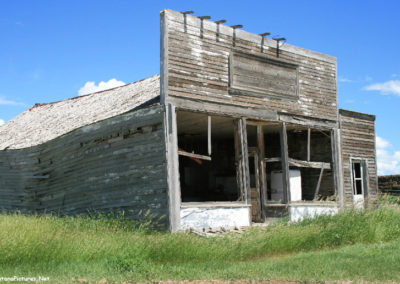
(308, 144)
(245, 161)
(238, 158)
(300, 163)
(273, 160)
(319, 183)
(306, 164)
(209, 136)
(261, 162)
(285, 163)
(193, 155)
(174, 187)
(337, 165)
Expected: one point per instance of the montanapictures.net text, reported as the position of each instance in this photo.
(25, 279)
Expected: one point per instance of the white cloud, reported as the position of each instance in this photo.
(4, 101)
(91, 87)
(2, 122)
(344, 80)
(388, 161)
(389, 87)
(382, 143)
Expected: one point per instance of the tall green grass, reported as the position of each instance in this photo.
(116, 247)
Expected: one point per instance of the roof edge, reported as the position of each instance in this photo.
(356, 114)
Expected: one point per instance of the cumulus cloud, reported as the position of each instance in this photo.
(382, 143)
(2, 122)
(388, 160)
(4, 101)
(389, 87)
(91, 87)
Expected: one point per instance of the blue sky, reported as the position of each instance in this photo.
(52, 50)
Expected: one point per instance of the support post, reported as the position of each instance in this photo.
(238, 160)
(308, 144)
(318, 183)
(337, 165)
(261, 165)
(285, 163)
(209, 136)
(174, 192)
(245, 160)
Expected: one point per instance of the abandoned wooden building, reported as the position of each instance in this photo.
(237, 128)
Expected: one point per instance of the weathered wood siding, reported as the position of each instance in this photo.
(358, 141)
(115, 164)
(196, 71)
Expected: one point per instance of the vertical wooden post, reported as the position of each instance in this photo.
(308, 144)
(261, 165)
(174, 188)
(285, 164)
(209, 136)
(318, 183)
(238, 160)
(245, 160)
(337, 165)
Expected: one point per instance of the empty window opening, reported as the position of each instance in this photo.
(312, 148)
(358, 185)
(310, 163)
(207, 166)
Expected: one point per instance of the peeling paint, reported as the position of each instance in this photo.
(211, 217)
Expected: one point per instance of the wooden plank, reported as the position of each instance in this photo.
(263, 75)
(273, 160)
(318, 183)
(308, 144)
(243, 35)
(238, 159)
(300, 163)
(174, 187)
(285, 163)
(193, 155)
(223, 109)
(306, 164)
(209, 136)
(261, 165)
(164, 58)
(245, 160)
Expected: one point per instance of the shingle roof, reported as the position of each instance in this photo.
(44, 122)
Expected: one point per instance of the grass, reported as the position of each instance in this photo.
(353, 245)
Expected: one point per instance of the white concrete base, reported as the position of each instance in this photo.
(214, 217)
(299, 212)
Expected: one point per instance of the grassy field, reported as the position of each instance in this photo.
(360, 246)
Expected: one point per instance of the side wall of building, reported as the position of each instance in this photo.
(115, 164)
(358, 143)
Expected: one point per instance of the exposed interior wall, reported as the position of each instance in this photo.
(115, 164)
(358, 142)
(207, 174)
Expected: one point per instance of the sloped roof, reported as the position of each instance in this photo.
(44, 122)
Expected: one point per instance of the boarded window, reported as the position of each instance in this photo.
(262, 76)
